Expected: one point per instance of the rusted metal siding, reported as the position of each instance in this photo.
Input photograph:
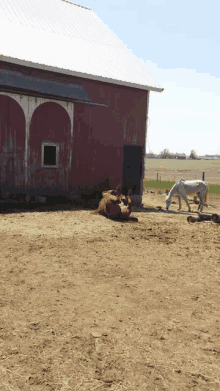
(12, 145)
(50, 123)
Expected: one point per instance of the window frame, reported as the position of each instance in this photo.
(48, 144)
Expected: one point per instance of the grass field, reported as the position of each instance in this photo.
(170, 170)
(167, 185)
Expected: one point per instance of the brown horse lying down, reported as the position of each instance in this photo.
(115, 205)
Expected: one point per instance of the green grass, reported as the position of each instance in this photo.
(214, 189)
(167, 185)
(159, 185)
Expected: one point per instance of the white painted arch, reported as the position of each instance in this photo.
(29, 104)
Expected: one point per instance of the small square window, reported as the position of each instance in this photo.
(50, 155)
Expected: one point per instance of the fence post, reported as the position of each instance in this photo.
(203, 176)
(157, 177)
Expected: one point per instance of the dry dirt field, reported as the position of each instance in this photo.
(168, 169)
(94, 304)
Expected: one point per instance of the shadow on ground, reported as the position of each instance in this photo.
(50, 206)
(172, 212)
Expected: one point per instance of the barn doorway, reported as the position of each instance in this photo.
(132, 168)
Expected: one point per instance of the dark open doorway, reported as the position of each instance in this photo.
(132, 168)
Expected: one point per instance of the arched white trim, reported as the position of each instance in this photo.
(34, 103)
(20, 99)
(29, 104)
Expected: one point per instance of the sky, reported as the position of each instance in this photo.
(179, 44)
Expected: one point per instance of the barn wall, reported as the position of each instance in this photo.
(49, 123)
(12, 147)
(99, 134)
(97, 148)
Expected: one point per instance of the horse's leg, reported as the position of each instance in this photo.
(200, 202)
(186, 199)
(205, 196)
(179, 198)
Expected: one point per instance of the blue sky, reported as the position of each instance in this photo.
(179, 44)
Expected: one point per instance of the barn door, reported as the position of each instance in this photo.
(132, 168)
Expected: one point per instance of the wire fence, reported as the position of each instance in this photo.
(175, 178)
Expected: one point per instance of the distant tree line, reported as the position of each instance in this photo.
(166, 154)
(193, 155)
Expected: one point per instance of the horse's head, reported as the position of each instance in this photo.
(168, 202)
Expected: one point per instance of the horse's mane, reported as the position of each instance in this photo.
(174, 186)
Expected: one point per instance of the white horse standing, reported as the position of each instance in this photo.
(182, 188)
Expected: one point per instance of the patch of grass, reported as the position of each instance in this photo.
(215, 189)
(167, 185)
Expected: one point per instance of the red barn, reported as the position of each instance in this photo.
(73, 103)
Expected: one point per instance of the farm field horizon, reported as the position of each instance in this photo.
(175, 169)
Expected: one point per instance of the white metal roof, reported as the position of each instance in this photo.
(64, 37)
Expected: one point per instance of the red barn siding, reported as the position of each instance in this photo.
(99, 134)
(124, 103)
(96, 156)
(12, 146)
(50, 123)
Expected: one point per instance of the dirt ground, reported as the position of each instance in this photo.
(89, 303)
(175, 169)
